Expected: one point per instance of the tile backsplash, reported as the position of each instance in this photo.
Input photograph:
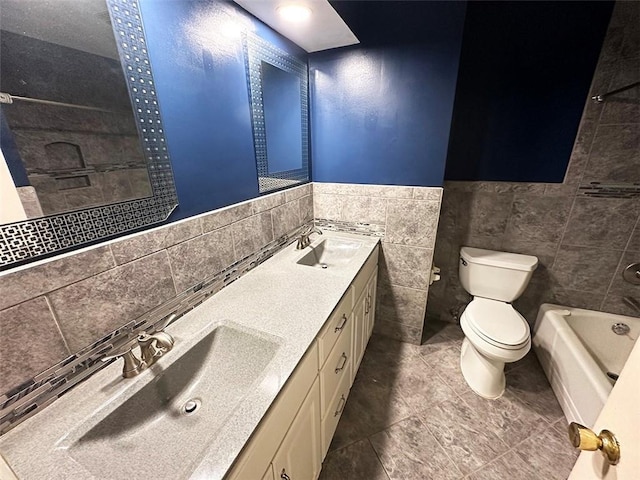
(583, 241)
(58, 317)
(406, 218)
(51, 309)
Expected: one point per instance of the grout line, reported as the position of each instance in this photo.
(564, 231)
(233, 242)
(57, 323)
(113, 256)
(619, 265)
(442, 447)
(368, 439)
(173, 276)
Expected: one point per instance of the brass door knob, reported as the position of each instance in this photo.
(585, 439)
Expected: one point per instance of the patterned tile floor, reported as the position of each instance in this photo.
(410, 415)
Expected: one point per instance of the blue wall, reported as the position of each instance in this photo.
(381, 111)
(199, 69)
(11, 154)
(525, 72)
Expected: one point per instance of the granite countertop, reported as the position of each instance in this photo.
(280, 301)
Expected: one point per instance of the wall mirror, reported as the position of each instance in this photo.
(278, 94)
(82, 136)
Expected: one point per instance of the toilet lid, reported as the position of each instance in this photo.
(497, 322)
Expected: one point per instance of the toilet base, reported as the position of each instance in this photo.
(484, 375)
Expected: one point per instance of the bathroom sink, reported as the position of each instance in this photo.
(162, 430)
(331, 252)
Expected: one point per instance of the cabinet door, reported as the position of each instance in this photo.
(298, 457)
(268, 475)
(359, 332)
(258, 454)
(370, 311)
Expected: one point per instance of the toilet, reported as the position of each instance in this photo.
(495, 333)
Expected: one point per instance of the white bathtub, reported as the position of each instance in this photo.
(576, 349)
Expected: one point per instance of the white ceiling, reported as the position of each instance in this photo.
(325, 29)
(57, 21)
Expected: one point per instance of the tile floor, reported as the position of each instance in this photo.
(410, 415)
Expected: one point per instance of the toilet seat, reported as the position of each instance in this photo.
(497, 323)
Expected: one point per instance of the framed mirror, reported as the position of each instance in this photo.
(278, 93)
(82, 137)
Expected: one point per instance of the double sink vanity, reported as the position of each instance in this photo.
(253, 388)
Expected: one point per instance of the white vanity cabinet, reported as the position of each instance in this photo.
(294, 436)
(290, 427)
(363, 311)
(335, 378)
(299, 454)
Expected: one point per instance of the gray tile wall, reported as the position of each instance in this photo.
(583, 243)
(53, 308)
(408, 216)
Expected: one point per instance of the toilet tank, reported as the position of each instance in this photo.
(496, 275)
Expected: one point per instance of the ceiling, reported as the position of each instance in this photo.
(324, 30)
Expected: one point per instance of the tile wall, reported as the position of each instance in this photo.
(406, 218)
(51, 309)
(583, 242)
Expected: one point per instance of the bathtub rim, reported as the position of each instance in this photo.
(596, 378)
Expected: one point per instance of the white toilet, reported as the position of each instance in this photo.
(495, 333)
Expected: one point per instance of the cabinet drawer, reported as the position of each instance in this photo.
(335, 326)
(360, 283)
(337, 366)
(330, 422)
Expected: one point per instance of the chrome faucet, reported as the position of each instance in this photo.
(152, 347)
(303, 240)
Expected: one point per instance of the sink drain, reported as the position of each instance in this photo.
(620, 328)
(191, 406)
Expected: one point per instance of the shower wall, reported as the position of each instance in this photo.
(74, 157)
(585, 230)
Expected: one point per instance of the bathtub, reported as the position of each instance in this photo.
(577, 348)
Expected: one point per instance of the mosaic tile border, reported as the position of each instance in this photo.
(23, 402)
(30, 239)
(257, 50)
(370, 229)
(610, 190)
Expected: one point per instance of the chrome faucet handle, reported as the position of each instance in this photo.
(154, 346)
(132, 364)
(162, 324)
(303, 240)
(312, 229)
(119, 349)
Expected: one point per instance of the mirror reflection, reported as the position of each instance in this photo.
(69, 136)
(282, 118)
(277, 84)
(78, 164)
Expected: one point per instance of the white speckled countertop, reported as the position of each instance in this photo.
(280, 301)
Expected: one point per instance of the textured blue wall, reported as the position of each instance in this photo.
(525, 72)
(381, 111)
(199, 69)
